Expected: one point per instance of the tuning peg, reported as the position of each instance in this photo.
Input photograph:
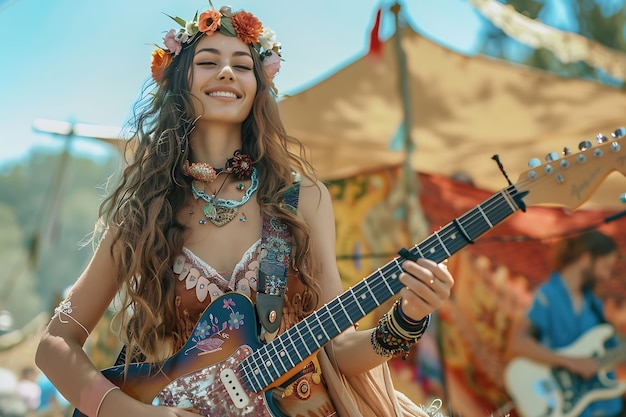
(552, 156)
(622, 197)
(567, 150)
(534, 162)
(601, 138)
(620, 132)
(584, 145)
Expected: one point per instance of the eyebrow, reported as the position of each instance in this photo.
(217, 51)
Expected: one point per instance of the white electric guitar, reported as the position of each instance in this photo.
(225, 371)
(542, 391)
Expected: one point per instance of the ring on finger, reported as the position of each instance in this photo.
(432, 281)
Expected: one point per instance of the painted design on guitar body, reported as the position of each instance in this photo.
(207, 392)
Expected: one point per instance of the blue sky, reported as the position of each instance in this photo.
(85, 61)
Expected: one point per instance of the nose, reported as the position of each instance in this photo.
(226, 73)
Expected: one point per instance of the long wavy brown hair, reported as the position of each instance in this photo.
(140, 212)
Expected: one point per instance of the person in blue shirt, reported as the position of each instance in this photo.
(561, 330)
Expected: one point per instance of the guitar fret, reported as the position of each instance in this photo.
(297, 352)
(485, 216)
(312, 333)
(285, 351)
(321, 326)
(392, 292)
(443, 245)
(269, 364)
(363, 313)
(362, 292)
(302, 339)
(255, 375)
(344, 311)
(323, 310)
(371, 292)
(277, 354)
(507, 198)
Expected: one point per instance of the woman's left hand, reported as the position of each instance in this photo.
(427, 287)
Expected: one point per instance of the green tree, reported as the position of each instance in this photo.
(46, 244)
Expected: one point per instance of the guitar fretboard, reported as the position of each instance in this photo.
(271, 361)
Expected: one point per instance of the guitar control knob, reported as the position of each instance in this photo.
(584, 145)
(620, 132)
(534, 163)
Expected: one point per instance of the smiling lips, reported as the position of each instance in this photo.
(228, 94)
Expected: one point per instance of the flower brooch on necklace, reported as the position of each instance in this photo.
(239, 165)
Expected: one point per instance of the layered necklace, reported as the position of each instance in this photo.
(220, 211)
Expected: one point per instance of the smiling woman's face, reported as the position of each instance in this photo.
(223, 79)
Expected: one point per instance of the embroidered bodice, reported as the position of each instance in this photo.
(198, 283)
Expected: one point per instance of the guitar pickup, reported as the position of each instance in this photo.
(234, 388)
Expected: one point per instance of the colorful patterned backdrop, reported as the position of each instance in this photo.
(462, 358)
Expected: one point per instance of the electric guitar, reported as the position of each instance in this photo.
(539, 390)
(224, 370)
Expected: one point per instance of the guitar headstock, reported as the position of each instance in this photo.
(569, 180)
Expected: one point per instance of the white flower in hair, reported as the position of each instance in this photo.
(268, 39)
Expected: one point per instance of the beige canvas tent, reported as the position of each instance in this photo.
(463, 109)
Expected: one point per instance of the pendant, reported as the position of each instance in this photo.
(219, 215)
(209, 210)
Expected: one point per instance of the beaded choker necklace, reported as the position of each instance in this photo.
(239, 164)
(220, 211)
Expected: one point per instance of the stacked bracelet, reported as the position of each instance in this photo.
(396, 333)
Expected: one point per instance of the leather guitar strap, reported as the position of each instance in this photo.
(276, 241)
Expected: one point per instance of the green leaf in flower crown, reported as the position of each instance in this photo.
(177, 19)
(226, 27)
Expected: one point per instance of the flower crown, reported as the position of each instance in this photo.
(244, 25)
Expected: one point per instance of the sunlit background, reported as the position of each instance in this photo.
(71, 70)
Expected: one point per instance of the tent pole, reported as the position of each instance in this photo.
(414, 216)
(416, 222)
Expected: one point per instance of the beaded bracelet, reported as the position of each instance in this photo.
(396, 333)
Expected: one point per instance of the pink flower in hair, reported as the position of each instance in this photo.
(271, 65)
(171, 43)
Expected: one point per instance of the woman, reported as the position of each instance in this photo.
(216, 192)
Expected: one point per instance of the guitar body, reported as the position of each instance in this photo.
(204, 375)
(539, 390)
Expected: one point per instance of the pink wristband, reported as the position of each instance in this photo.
(91, 397)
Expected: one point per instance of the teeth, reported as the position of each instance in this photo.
(222, 94)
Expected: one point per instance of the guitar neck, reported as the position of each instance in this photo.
(273, 360)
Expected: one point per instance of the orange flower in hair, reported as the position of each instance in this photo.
(247, 26)
(209, 21)
(161, 59)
